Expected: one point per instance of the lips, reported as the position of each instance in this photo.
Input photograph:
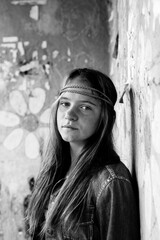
(69, 127)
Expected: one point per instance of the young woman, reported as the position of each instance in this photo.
(83, 190)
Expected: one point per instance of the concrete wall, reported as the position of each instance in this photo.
(135, 68)
(40, 41)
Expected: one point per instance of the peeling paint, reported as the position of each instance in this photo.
(8, 45)
(21, 48)
(44, 45)
(22, 2)
(10, 39)
(48, 23)
(138, 61)
(55, 54)
(34, 13)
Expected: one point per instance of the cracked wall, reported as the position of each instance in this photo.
(135, 68)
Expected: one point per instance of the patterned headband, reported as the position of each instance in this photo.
(88, 91)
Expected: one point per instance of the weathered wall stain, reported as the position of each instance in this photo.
(137, 65)
(148, 137)
(48, 22)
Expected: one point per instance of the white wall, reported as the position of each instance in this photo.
(137, 66)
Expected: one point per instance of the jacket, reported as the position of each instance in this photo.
(112, 213)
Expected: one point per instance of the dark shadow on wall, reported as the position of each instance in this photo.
(115, 52)
(133, 146)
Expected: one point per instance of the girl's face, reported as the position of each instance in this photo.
(77, 117)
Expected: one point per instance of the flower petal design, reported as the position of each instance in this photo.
(13, 139)
(31, 146)
(37, 100)
(9, 119)
(45, 117)
(18, 103)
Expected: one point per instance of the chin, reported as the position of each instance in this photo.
(67, 139)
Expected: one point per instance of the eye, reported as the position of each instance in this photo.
(64, 104)
(86, 108)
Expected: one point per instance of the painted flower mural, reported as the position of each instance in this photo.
(26, 120)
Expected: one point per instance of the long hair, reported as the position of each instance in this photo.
(73, 191)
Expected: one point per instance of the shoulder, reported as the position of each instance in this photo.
(113, 171)
(116, 171)
(111, 175)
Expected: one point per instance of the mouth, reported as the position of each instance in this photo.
(69, 127)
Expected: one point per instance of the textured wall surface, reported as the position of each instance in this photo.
(40, 41)
(135, 67)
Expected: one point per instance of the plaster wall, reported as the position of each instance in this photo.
(135, 68)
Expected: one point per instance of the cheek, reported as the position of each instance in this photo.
(91, 125)
(95, 125)
(96, 122)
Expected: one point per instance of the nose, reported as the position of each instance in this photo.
(71, 114)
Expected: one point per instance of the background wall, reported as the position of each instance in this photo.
(135, 68)
(40, 41)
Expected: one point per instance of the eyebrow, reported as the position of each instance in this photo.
(83, 101)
